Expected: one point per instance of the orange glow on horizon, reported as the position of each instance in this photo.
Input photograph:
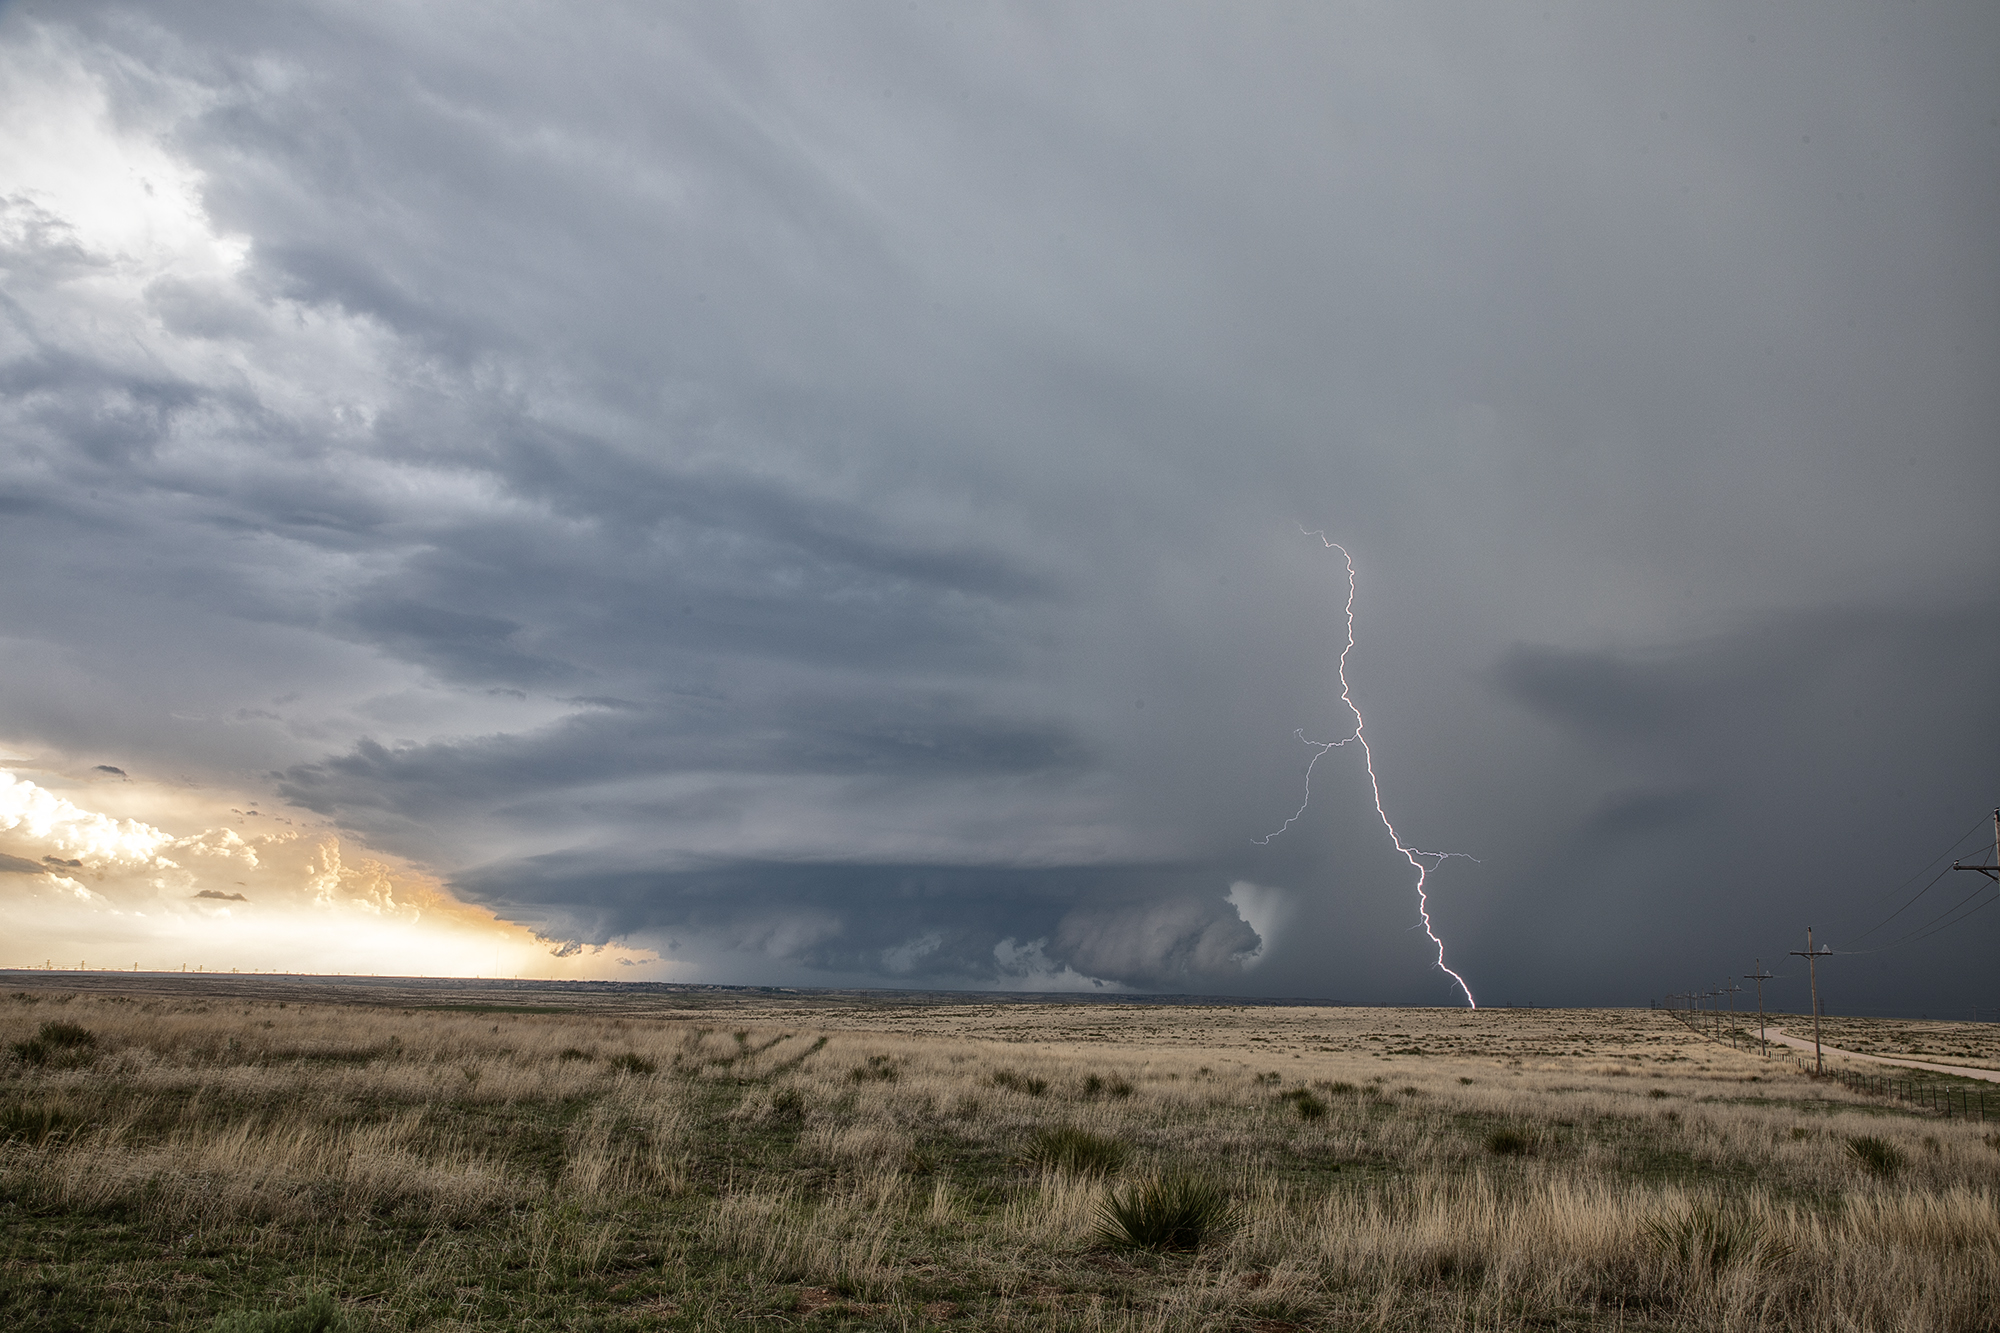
(143, 876)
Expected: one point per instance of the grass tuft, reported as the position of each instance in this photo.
(1509, 1143)
(879, 1069)
(1022, 1083)
(1168, 1212)
(30, 1124)
(1066, 1148)
(1308, 1106)
(633, 1063)
(58, 1043)
(318, 1313)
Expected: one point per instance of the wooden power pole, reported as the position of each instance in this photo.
(1760, 976)
(1812, 957)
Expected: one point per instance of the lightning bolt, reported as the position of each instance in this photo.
(1413, 855)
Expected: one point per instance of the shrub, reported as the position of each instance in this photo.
(1171, 1212)
(788, 1104)
(572, 1053)
(1658, 1092)
(1509, 1143)
(1878, 1157)
(1066, 1148)
(58, 1043)
(633, 1063)
(318, 1313)
(1097, 1086)
(1707, 1237)
(1023, 1083)
(1308, 1106)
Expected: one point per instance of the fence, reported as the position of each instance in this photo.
(1949, 1099)
(1943, 1098)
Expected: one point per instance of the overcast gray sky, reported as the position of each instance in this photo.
(817, 490)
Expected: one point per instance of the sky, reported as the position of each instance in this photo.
(839, 494)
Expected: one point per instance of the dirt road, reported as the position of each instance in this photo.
(1778, 1034)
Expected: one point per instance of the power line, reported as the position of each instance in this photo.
(1991, 872)
(1953, 847)
(1935, 924)
(1942, 925)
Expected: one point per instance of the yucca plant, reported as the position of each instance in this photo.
(1167, 1212)
(1878, 1157)
(1707, 1236)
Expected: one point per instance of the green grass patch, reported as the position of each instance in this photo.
(1067, 1148)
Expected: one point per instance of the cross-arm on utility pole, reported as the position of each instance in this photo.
(1812, 957)
(1991, 872)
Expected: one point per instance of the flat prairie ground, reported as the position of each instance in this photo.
(1975, 1044)
(281, 1156)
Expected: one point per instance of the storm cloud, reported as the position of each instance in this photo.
(819, 493)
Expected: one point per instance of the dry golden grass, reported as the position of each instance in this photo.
(1392, 1169)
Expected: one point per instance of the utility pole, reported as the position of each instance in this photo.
(1730, 990)
(1760, 976)
(1991, 872)
(1812, 957)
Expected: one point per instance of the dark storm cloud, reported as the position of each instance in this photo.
(1735, 788)
(16, 865)
(821, 487)
(1597, 692)
(913, 738)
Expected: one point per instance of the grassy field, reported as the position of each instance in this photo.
(241, 1161)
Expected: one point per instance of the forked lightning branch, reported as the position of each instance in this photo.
(1414, 855)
